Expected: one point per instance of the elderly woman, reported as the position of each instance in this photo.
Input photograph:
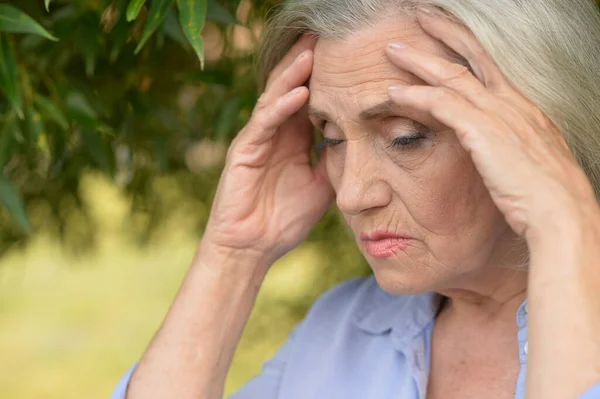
(461, 145)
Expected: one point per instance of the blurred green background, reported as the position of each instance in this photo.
(115, 116)
(72, 325)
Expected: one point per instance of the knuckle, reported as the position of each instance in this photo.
(442, 95)
(230, 151)
(455, 74)
(257, 122)
(234, 142)
(261, 103)
(235, 145)
(541, 119)
(439, 98)
(263, 115)
(478, 52)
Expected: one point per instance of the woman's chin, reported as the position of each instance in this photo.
(397, 280)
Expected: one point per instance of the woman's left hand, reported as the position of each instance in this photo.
(537, 184)
(520, 153)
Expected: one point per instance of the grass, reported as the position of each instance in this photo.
(71, 327)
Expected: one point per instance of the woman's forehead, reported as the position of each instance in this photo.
(367, 45)
(355, 68)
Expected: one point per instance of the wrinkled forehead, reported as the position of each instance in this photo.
(356, 68)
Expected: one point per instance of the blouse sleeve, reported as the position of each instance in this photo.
(266, 384)
(592, 393)
(121, 389)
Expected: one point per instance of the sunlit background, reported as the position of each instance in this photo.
(71, 325)
(108, 164)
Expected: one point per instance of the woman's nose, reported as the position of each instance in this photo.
(362, 186)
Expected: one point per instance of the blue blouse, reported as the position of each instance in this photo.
(358, 341)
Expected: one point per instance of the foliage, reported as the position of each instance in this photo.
(111, 136)
(131, 88)
(72, 326)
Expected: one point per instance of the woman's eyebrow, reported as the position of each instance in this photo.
(317, 113)
(378, 111)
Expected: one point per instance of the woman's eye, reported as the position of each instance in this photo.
(326, 143)
(408, 142)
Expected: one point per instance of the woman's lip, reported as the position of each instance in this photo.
(382, 235)
(384, 248)
(383, 244)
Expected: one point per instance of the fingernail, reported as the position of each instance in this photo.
(296, 91)
(395, 88)
(425, 10)
(396, 46)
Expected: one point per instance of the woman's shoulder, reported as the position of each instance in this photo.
(343, 349)
(348, 343)
(361, 303)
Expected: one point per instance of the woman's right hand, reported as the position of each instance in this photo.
(270, 197)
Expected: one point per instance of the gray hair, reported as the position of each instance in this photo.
(549, 49)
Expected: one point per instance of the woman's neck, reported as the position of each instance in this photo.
(496, 295)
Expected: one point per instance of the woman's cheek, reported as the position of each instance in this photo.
(449, 189)
(335, 168)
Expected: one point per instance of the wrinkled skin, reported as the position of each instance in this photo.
(430, 191)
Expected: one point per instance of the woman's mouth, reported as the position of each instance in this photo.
(383, 244)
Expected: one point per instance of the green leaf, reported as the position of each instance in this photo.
(11, 199)
(133, 9)
(14, 20)
(236, 4)
(35, 126)
(87, 40)
(211, 76)
(51, 111)
(98, 149)
(160, 151)
(216, 12)
(192, 16)
(172, 29)
(92, 131)
(47, 4)
(120, 35)
(7, 138)
(77, 102)
(158, 12)
(228, 118)
(9, 76)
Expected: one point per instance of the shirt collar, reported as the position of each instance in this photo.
(380, 312)
(406, 315)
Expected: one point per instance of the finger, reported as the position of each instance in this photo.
(438, 71)
(296, 74)
(264, 123)
(306, 42)
(447, 107)
(460, 39)
(302, 130)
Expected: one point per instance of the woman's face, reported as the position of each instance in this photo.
(393, 175)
